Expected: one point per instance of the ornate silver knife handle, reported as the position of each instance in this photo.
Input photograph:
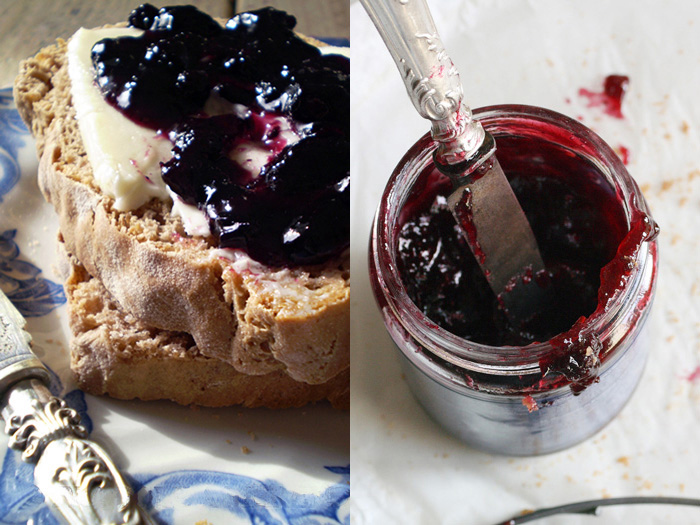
(79, 481)
(430, 77)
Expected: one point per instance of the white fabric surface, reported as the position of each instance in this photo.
(404, 468)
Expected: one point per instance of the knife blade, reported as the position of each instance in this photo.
(487, 211)
(497, 231)
(79, 481)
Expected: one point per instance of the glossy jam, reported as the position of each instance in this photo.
(588, 214)
(578, 223)
(583, 235)
(296, 211)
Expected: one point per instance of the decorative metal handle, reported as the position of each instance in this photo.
(80, 484)
(17, 361)
(430, 77)
(79, 481)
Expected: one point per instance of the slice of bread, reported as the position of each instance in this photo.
(115, 354)
(261, 321)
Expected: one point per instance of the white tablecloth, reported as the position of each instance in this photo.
(404, 468)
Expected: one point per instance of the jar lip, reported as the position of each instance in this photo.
(454, 349)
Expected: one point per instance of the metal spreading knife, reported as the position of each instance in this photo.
(80, 483)
(482, 200)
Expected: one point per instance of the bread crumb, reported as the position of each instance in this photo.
(203, 522)
(245, 450)
(530, 403)
(229, 442)
(647, 485)
(252, 435)
(624, 460)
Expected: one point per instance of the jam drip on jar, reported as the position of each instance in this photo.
(296, 211)
(579, 225)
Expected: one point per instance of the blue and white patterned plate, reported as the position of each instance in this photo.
(188, 465)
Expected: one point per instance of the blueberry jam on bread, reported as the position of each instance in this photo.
(163, 80)
(200, 173)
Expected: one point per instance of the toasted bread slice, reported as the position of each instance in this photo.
(259, 320)
(115, 354)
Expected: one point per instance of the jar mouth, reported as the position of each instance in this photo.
(507, 360)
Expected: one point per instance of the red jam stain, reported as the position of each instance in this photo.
(463, 213)
(624, 153)
(530, 403)
(610, 99)
(694, 375)
(585, 240)
(437, 72)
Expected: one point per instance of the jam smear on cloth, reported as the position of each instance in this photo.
(610, 99)
(257, 74)
(583, 235)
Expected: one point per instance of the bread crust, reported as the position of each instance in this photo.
(290, 322)
(115, 354)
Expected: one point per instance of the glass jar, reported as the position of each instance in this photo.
(511, 399)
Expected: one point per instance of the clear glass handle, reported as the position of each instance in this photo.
(430, 77)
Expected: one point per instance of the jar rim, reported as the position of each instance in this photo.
(503, 360)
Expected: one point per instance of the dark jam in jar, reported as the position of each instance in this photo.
(598, 239)
(587, 241)
(577, 220)
(296, 211)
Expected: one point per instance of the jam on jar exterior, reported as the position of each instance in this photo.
(543, 396)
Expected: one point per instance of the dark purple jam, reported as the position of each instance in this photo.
(296, 212)
(579, 224)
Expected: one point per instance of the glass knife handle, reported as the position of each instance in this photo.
(429, 75)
